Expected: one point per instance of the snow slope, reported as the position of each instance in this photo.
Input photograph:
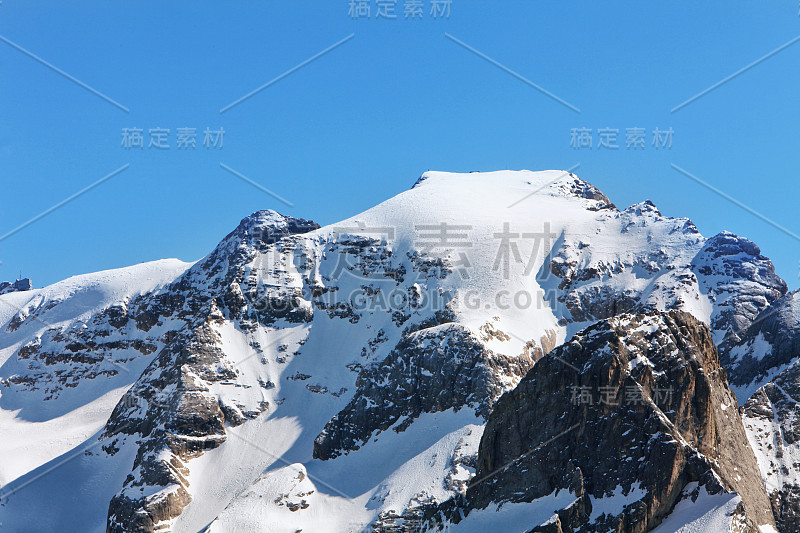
(37, 431)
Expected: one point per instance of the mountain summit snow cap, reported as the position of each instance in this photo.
(545, 183)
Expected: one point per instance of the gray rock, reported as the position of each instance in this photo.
(539, 440)
(772, 419)
(434, 369)
(770, 342)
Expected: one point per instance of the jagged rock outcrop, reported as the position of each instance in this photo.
(434, 369)
(263, 277)
(772, 420)
(771, 342)
(177, 416)
(637, 406)
(176, 411)
(749, 284)
(727, 271)
(762, 363)
(766, 355)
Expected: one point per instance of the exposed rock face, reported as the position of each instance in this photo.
(769, 343)
(726, 271)
(583, 275)
(23, 284)
(750, 283)
(637, 403)
(175, 411)
(62, 356)
(265, 278)
(435, 369)
(573, 186)
(767, 353)
(772, 420)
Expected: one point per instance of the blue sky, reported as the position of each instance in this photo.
(363, 121)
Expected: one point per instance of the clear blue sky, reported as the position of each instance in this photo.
(360, 123)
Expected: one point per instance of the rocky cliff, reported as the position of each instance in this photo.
(629, 417)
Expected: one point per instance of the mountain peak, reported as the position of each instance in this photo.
(645, 207)
(268, 226)
(727, 243)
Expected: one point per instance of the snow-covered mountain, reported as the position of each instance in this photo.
(332, 378)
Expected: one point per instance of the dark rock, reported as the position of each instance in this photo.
(539, 439)
(430, 370)
(750, 285)
(771, 341)
(772, 418)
